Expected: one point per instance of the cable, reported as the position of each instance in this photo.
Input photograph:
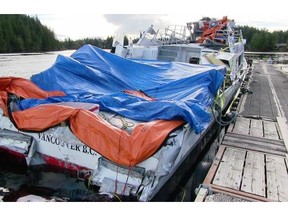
(115, 195)
(221, 122)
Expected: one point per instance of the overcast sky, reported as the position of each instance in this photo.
(91, 18)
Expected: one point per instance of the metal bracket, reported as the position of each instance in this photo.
(207, 187)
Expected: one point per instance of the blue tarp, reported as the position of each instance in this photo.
(181, 91)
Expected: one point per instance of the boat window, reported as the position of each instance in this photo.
(194, 60)
(225, 62)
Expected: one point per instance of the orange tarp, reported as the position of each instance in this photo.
(22, 88)
(25, 88)
(113, 143)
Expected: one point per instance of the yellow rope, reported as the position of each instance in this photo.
(117, 197)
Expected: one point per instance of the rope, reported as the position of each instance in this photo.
(128, 175)
(125, 123)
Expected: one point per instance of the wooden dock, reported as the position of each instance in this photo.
(252, 161)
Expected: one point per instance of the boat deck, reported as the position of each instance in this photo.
(252, 163)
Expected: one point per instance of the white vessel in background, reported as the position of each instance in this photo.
(202, 42)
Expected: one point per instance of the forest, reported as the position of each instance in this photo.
(261, 40)
(22, 33)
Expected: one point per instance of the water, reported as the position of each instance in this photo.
(25, 65)
(46, 182)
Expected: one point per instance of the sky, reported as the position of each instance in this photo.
(90, 18)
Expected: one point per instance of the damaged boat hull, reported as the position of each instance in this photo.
(142, 172)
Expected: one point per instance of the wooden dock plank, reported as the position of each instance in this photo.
(230, 170)
(278, 126)
(270, 130)
(277, 178)
(254, 174)
(255, 143)
(231, 127)
(252, 139)
(242, 126)
(282, 122)
(256, 128)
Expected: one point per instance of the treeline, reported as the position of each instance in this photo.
(261, 40)
(22, 33)
(101, 43)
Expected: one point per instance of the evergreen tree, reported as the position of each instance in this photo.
(21, 33)
(262, 40)
(3, 45)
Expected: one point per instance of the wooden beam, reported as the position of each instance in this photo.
(211, 173)
(201, 195)
(282, 122)
(240, 194)
(255, 139)
(255, 143)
